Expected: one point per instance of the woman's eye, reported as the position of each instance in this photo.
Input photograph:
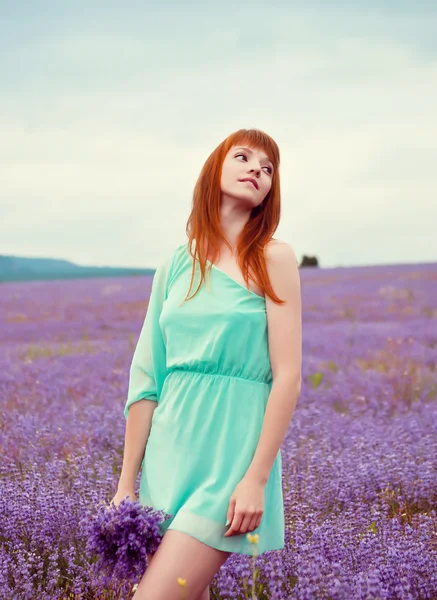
(269, 168)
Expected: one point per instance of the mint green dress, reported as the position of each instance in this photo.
(206, 363)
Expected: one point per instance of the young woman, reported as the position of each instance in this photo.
(216, 375)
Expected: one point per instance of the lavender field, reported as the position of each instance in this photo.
(360, 457)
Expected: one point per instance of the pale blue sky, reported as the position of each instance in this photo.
(109, 110)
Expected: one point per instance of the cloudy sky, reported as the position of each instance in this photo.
(108, 111)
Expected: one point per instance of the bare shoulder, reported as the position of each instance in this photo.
(285, 319)
(280, 253)
(283, 271)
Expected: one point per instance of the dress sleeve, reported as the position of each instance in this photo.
(149, 363)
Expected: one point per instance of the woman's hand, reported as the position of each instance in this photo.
(121, 494)
(246, 507)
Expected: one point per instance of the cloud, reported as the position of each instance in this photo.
(103, 134)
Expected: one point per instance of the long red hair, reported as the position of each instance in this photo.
(203, 226)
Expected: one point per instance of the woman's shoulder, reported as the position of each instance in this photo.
(179, 253)
(171, 256)
(280, 250)
(276, 246)
(169, 266)
(176, 261)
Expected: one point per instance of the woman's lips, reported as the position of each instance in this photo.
(248, 181)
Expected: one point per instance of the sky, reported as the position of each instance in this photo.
(109, 110)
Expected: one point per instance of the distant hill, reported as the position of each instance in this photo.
(17, 268)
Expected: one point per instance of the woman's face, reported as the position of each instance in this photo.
(242, 162)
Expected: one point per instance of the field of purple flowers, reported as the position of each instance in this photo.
(360, 457)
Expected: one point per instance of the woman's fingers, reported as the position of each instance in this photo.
(243, 523)
(234, 527)
(253, 524)
(230, 513)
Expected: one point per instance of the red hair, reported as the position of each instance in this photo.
(203, 226)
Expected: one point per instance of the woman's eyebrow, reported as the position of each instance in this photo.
(251, 152)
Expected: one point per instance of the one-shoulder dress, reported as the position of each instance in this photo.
(206, 363)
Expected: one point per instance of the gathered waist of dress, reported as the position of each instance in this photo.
(193, 371)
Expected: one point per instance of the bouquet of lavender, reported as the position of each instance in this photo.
(121, 537)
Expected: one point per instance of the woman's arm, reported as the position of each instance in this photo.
(246, 505)
(146, 378)
(285, 347)
(138, 424)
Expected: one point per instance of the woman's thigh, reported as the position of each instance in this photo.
(205, 595)
(179, 555)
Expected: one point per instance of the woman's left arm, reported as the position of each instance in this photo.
(284, 323)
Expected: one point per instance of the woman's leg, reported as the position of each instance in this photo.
(205, 595)
(180, 555)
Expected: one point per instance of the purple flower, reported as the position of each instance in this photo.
(358, 459)
(122, 536)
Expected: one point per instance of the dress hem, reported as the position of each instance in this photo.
(211, 533)
(247, 553)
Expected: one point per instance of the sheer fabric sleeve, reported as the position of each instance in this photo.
(149, 366)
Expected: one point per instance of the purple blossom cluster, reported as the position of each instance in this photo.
(359, 459)
(121, 538)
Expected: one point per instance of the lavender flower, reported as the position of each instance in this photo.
(359, 459)
(122, 536)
